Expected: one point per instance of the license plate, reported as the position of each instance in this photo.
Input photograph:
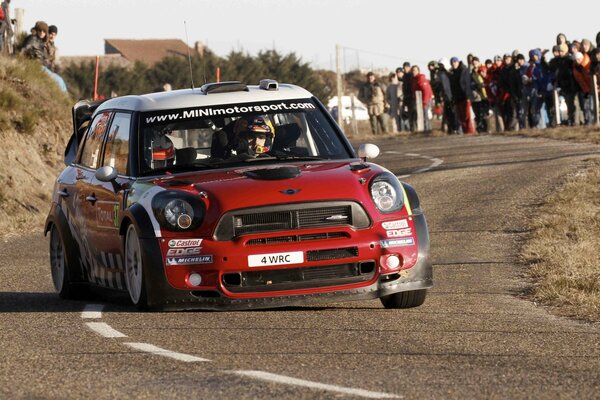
(263, 260)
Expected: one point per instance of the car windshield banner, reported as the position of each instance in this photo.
(227, 110)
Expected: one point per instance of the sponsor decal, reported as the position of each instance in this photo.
(187, 251)
(399, 232)
(177, 243)
(226, 110)
(206, 259)
(397, 242)
(399, 224)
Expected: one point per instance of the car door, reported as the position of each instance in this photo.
(84, 211)
(106, 200)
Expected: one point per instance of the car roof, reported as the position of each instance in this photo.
(197, 97)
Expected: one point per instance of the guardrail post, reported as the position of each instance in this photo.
(354, 123)
(419, 109)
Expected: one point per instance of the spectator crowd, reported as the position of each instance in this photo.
(515, 91)
(39, 45)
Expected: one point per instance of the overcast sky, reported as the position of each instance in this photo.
(375, 33)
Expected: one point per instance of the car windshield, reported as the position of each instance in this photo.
(223, 135)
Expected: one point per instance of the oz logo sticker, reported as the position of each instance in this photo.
(399, 224)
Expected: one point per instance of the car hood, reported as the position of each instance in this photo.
(276, 184)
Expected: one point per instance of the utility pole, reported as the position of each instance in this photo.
(338, 71)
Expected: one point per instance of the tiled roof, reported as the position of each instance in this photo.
(148, 51)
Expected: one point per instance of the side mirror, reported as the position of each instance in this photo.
(368, 150)
(106, 174)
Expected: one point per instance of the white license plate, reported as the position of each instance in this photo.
(263, 260)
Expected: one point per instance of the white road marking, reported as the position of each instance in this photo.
(287, 380)
(435, 162)
(150, 348)
(92, 311)
(104, 330)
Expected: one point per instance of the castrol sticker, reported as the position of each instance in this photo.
(178, 243)
(399, 224)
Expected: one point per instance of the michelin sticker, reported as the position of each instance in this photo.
(190, 260)
(399, 224)
(397, 243)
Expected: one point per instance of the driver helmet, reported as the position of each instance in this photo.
(163, 152)
(258, 132)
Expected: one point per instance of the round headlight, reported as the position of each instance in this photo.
(384, 195)
(386, 192)
(176, 209)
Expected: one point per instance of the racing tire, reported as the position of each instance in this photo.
(135, 276)
(410, 299)
(60, 268)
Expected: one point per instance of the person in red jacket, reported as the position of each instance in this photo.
(581, 74)
(420, 83)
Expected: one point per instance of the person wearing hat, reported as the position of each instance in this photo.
(50, 61)
(372, 94)
(460, 83)
(35, 44)
(480, 98)
(562, 64)
(581, 74)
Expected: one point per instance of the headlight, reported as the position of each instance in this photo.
(178, 211)
(387, 193)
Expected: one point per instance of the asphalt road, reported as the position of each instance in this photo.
(475, 337)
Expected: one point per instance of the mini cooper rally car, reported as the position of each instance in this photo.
(231, 197)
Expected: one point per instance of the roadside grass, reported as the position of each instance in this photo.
(563, 249)
(580, 134)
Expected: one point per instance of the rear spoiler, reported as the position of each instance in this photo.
(82, 115)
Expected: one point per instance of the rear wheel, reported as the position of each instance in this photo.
(134, 269)
(413, 298)
(60, 269)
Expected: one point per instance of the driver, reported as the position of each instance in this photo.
(254, 135)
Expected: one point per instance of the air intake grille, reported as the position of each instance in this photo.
(288, 217)
(331, 254)
(297, 238)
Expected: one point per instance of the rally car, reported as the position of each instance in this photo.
(231, 196)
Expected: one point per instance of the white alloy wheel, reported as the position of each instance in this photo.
(133, 265)
(57, 260)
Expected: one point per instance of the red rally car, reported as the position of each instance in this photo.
(231, 197)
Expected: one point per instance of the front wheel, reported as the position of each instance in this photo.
(134, 269)
(412, 298)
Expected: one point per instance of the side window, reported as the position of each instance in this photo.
(90, 156)
(117, 144)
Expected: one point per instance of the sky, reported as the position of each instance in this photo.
(374, 34)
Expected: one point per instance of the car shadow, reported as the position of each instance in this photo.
(49, 302)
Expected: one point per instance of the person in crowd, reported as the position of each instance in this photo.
(460, 83)
(408, 98)
(373, 95)
(565, 82)
(495, 92)
(523, 101)
(405, 126)
(511, 88)
(480, 98)
(488, 63)
(581, 74)
(420, 83)
(445, 95)
(35, 44)
(393, 97)
(6, 29)
(539, 74)
(51, 59)
(595, 66)
(561, 38)
(587, 47)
